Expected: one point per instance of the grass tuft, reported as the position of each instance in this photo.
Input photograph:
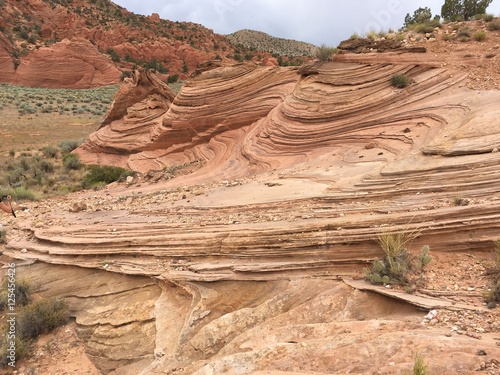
(397, 266)
(419, 367)
(400, 80)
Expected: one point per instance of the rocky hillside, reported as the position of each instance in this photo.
(241, 245)
(81, 44)
(258, 40)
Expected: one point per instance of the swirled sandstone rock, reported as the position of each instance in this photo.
(299, 171)
(74, 63)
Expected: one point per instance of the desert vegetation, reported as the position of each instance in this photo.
(32, 101)
(52, 171)
(48, 167)
(492, 296)
(324, 52)
(458, 10)
(398, 266)
(419, 367)
(453, 11)
(33, 318)
(422, 21)
(400, 80)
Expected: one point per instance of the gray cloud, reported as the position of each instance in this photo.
(314, 21)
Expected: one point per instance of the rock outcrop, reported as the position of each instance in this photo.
(115, 314)
(290, 177)
(69, 64)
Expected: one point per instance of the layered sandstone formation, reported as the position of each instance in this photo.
(69, 64)
(286, 178)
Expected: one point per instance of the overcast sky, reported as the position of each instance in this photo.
(314, 21)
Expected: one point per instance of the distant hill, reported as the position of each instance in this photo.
(258, 40)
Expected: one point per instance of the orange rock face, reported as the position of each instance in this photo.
(72, 63)
(267, 117)
(290, 177)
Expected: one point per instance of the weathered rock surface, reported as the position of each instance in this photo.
(281, 181)
(74, 63)
(114, 313)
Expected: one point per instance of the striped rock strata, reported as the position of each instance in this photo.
(290, 175)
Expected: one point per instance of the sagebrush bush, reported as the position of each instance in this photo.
(69, 145)
(19, 193)
(324, 53)
(39, 100)
(21, 293)
(485, 17)
(479, 36)
(72, 162)
(494, 25)
(400, 80)
(41, 317)
(22, 348)
(423, 28)
(49, 151)
(464, 33)
(104, 174)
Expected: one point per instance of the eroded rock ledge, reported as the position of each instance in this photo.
(299, 171)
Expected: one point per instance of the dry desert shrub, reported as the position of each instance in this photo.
(397, 266)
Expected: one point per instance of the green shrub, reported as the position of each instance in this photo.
(494, 25)
(485, 17)
(45, 166)
(104, 174)
(72, 162)
(173, 78)
(41, 317)
(480, 36)
(421, 15)
(22, 348)
(324, 53)
(50, 151)
(400, 80)
(70, 145)
(465, 32)
(20, 193)
(21, 293)
(423, 28)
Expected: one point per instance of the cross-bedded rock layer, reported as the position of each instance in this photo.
(298, 172)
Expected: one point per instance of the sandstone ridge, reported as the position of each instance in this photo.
(284, 178)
